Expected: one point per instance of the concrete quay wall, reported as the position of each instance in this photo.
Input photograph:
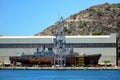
(60, 68)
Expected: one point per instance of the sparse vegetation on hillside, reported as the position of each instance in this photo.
(100, 20)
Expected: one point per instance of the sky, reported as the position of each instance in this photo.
(29, 17)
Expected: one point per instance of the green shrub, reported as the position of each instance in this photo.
(96, 33)
(99, 14)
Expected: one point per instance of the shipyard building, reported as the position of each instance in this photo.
(83, 45)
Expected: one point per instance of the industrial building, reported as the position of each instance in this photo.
(87, 44)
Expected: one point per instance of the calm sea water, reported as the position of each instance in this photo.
(59, 74)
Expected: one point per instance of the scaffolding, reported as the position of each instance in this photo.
(59, 42)
(81, 61)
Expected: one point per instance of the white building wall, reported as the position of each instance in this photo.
(107, 52)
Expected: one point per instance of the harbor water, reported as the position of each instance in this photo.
(59, 74)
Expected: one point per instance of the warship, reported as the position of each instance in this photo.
(43, 58)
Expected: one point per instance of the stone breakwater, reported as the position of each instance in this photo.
(60, 68)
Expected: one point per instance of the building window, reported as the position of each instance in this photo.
(68, 45)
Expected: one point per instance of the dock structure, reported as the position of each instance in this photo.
(59, 68)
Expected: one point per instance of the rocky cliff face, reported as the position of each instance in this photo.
(97, 20)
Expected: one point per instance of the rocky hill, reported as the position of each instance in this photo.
(98, 20)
